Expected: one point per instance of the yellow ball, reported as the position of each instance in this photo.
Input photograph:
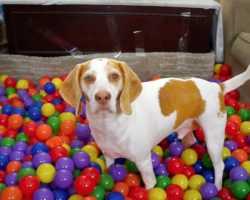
(75, 197)
(217, 68)
(10, 96)
(22, 84)
(67, 116)
(196, 181)
(101, 163)
(46, 172)
(67, 147)
(189, 156)
(226, 153)
(27, 119)
(3, 77)
(245, 127)
(43, 93)
(246, 166)
(157, 194)
(91, 150)
(158, 150)
(181, 180)
(192, 195)
(48, 109)
(57, 82)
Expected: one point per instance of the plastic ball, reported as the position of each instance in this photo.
(46, 172)
(232, 128)
(29, 128)
(174, 192)
(246, 166)
(57, 82)
(22, 84)
(7, 142)
(162, 181)
(83, 131)
(39, 147)
(15, 121)
(64, 163)
(29, 184)
(63, 179)
(67, 127)
(13, 166)
(118, 172)
(54, 122)
(92, 173)
(230, 110)
(49, 88)
(43, 132)
(240, 155)
(41, 158)
(238, 174)
(84, 185)
(43, 193)
(106, 181)
(181, 180)
(9, 82)
(81, 159)
(176, 148)
(225, 70)
(241, 140)
(225, 153)
(114, 196)
(188, 171)
(67, 116)
(161, 170)
(48, 109)
(208, 190)
(158, 150)
(175, 165)
(98, 193)
(7, 109)
(60, 194)
(240, 189)
(17, 155)
(155, 159)
(122, 188)
(192, 194)
(11, 179)
(189, 156)
(245, 127)
(25, 171)
(132, 180)
(244, 114)
(196, 181)
(59, 152)
(11, 192)
(138, 193)
(157, 194)
(208, 175)
(235, 118)
(34, 113)
(4, 160)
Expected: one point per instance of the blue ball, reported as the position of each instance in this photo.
(39, 147)
(230, 163)
(114, 196)
(172, 137)
(38, 104)
(60, 194)
(49, 88)
(19, 111)
(198, 167)
(7, 109)
(95, 165)
(57, 101)
(120, 161)
(208, 175)
(4, 160)
(35, 113)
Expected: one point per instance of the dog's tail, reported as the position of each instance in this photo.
(236, 81)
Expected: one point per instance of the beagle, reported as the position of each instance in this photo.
(128, 118)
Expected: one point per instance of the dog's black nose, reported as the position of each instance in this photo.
(102, 97)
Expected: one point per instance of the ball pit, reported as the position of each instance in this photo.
(46, 152)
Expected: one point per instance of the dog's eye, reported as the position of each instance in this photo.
(89, 79)
(114, 77)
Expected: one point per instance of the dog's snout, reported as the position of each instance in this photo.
(102, 97)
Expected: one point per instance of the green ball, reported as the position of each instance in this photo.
(227, 183)
(73, 151)
(106, 181)
(98, 192)
(25, 171)
(131, 166)
(162, 182)
(37, 97)
(230, 110)
(206, 161)
(2, 186)
(7, 142)
(215, 198)
(76, 173)
(244, 114)
(10, 90)
(54, 122)
(22, 137)
(56, 114)
(240, 189)
(166, 153)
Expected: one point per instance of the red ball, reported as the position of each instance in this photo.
(224, 193)
(92, 173)
(138, 193)
(84, 185)
(4, 119)
(200, 150)
(234, 103)
(11, 133)
(188, 171)
(241, 140)
(29, 184)
(234, 94)
(58, 152)
(174, 191)
(175, 165)
(231, 128)
(199, 134)
(9, 82)
(29, 128)
(2, 175)
(225, 70)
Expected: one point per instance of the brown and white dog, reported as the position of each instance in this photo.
(128, 118)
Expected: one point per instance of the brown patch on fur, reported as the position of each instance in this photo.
(184, 98)
(221, 98)
(111, 65)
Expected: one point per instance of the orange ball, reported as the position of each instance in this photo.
(11, 193)
(15, 121)
(2, 129)
(89, 198)
(240, 155)
(43, 81)
(235, 118)
(13, 166)
(122, 188)
(67, 127)
(132, 180)
(54, 142)
(65, 139)
(18, 104)
(43, 132)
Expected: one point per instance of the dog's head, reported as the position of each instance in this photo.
(105, 83)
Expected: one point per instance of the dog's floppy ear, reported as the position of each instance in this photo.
(70, 89)
(131, 88)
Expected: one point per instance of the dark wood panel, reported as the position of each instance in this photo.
(56, 30)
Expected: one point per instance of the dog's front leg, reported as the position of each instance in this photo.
(146, 169)
(109, 161)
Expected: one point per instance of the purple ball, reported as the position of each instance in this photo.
(248, 139)
(3, 98)
(41, 158)
(17, 155)
(176, 148)
(20, 146)
(2, 91)
(208, 191)
(63, 179)
(11, 179)
(27, 164)
(28, 102)
(70, 109)
(118, 172)
(21, 92)
(65, 163)
(238, 174)
(5, 151)
(76, 143)
(81, 159)
(43, 194)
(71, 190)
(82, 131)
(155, 159)
(161, 170)
(231, 145)
(84, 112)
